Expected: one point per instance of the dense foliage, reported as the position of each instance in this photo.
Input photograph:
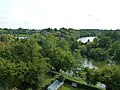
(21, 64)
(24, 62)
(104, 47)
(108, 75)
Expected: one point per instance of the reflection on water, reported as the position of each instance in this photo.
(85, 39)
(88, 63)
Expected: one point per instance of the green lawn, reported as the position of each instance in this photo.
(78, 80)
(69, 87)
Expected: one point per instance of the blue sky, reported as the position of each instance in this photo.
(38, 14)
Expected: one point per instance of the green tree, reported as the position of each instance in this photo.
(5, 51)
(83, 50)
(115, 50)
(88, 47)
(49, 42)
(105, 42)
(110, 76)
(74, 45)
(27, 50)
(6, 38)
(22, 75)
(98, 54)
(35, 76)
(61, 59)
(77, 63)
(62, 43)
(89, 76)
(11, 74)
(95, 42)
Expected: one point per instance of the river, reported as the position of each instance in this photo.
(85, 39)
(89, 63)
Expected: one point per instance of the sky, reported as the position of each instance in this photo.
(77, 14)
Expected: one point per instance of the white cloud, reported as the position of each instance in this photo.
(60, 13)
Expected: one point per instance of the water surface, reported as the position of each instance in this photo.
(85, 39)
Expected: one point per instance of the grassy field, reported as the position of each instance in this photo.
(81, 82)
(78, 80)
(69, 87)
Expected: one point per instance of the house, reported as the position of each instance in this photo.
(55, 85)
